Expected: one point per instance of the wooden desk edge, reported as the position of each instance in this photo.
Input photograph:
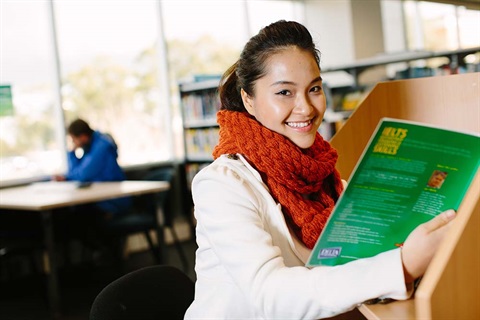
(161, 186)
(394, 310)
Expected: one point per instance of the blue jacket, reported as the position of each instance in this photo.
(99, 163)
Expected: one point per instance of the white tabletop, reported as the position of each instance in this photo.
(51, 195)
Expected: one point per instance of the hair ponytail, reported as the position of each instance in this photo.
(229, 90)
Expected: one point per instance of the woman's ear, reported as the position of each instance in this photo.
(247, 102)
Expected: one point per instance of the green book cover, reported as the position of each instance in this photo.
(408, 173)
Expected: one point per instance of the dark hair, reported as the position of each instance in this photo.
(79, 127)
(251, 64)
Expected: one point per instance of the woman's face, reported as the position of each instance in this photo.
(289, 99)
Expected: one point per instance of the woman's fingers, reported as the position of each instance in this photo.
(420, 246)
(439, 221)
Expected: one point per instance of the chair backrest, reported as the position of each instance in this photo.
(157, 292)
(162, 199)
(162, 174)
(149, 202)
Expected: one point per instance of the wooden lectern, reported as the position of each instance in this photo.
(451, 286)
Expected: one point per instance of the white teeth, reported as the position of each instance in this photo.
(298, 124)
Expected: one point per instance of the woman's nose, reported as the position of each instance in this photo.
(303, 105)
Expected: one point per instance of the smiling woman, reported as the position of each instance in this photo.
(262, 204)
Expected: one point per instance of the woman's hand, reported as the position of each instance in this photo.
(421, 244)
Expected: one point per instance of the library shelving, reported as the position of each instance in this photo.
(345, 91)
(199, 105)
(456, 62)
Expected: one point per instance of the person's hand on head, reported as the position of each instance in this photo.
(421, 244)
(58, 178)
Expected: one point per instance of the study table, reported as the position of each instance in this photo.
(45, 197)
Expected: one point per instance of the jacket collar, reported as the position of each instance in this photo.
(300, 250)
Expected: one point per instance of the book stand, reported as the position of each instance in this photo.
(451, 285)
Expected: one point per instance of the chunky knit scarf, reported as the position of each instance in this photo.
(304, 181)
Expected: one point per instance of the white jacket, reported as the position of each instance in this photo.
(250, 266)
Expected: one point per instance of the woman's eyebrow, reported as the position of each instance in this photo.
(317, 79)
(283, 82)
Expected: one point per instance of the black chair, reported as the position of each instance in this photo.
(143, 218)
(156, 292)
(20, 235)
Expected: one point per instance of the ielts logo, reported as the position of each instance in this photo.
(329, 252)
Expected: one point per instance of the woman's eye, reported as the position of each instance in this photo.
(316, 89)
(284, 93)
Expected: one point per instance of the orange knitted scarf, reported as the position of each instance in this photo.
(304, 181)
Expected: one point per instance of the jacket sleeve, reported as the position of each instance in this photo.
(91, 164)
(227, 212)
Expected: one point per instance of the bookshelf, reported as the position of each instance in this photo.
(456, 58)
(199, 105)
(345, 91)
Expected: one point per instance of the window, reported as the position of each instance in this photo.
(263, 12)
(203, 38)
(438, 26)
(110, 69)
(31, 135)
(468, 27)
(428, 26)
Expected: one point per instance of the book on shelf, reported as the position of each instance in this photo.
(200, 142)
(200, 106)
(408, 173)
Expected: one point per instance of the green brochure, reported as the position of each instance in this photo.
(409, 172)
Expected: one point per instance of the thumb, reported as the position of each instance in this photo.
(439, 221)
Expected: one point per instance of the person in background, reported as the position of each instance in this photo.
(94, 159)
(262, 204)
